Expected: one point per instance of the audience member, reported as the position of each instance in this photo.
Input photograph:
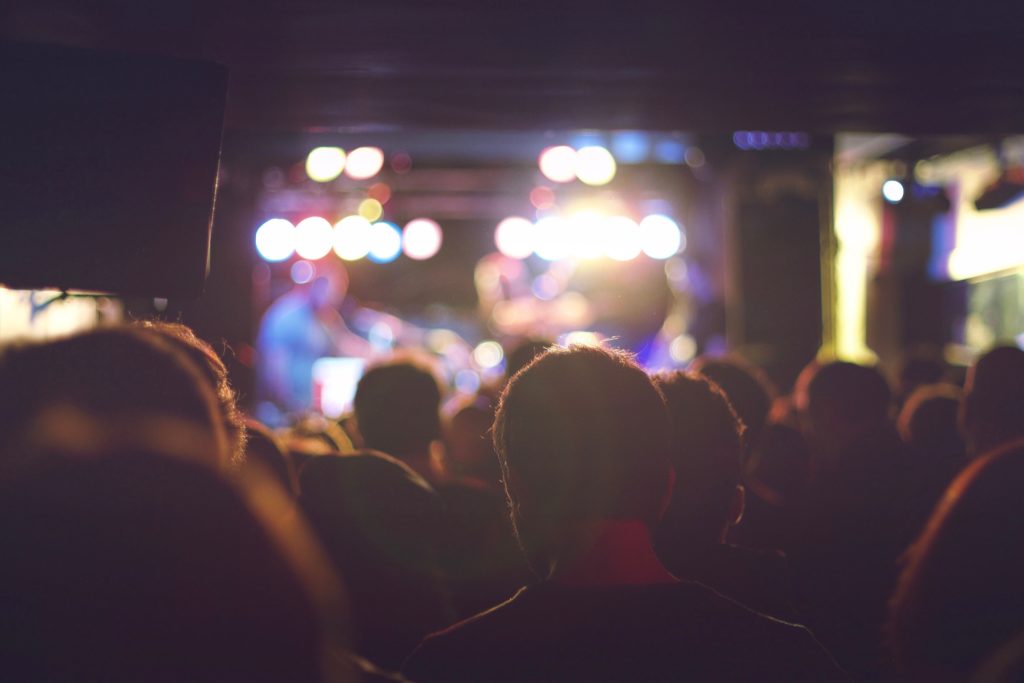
(993, 404)
(584, 442)
(746, 387)
(959, 597)
(264, 449)
(707, 452)
(397, 409)
(380, 523)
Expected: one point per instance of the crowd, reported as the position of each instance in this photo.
(585, 521)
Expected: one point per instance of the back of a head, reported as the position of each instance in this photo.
(397, 408)
(706, 455)
(113, 372)
(746, 387)
(928, 421)
(960, 594)
(582, 435)
(845, 401)
(993, 405)
(132, 566)
(520, 355)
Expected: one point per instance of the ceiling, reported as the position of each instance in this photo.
(303, 66)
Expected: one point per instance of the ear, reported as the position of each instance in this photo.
(739, 505)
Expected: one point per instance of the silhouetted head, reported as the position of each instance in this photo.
(582, 435)
(397, 408)
(115, 373)
(520, 355)
(919, 369)
(707, 453)
(844, 402)
(263, 449)
(959, 597)
(746, 387)
(130, 566)
(214, 371)
(928, 421)
(469, 450)
(993, 403)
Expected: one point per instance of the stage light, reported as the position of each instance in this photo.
(302, 272)
(631, 146)
(683, 348)
(324, 164)
(670, 151)
(352, 238)
(364, 162)
(421, 239)
(582, 338)
(488, 354)
(552, 238)
(623, 239)
(380, 191)
(588, 235)
(893, 191)
(314, 238)
(595, 165)
(660, 237)
(370, 209)
(514, 237)
(385, 242)
(558, 163)
(275, 240)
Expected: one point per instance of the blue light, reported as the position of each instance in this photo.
(670, 152)
(630, 146)
(385, 242)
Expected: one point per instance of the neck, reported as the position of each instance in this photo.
(620, 553)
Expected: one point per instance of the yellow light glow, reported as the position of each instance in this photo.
(595, 165)
(313, 238)
(324, 164)
(352, 238)
(582, 338)
(623, 238)
(370, 209)
(488, 354)
(364, 162)
(558, 164)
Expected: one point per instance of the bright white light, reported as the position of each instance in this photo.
(385, 242)
(660, 237)
(275, 240)
(314, 238)
(582, 338)
(588, 235)
(552, 238)
(514, 237)
(623, 239)
(488, 354)
(324, 164)
(364, 162)
(595, 165)
(558, 163)
(421, 239)
(893, 191)
(683, 348)
(352, 238)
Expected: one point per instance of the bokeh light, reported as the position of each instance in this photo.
(683, 348)
(514, 237)
(275, 240)
(364, 162)
(488, 354)
(595, 165)
(370, 209)
(352, 238)
(542, 197)
(385, 242)
(467, 381)
(660, 237)
(401, 163)
(380, 191)
(588, 234)
(558, 163)
(302, 272)
(314, 238)
(582, 338)
(552, 238)
(421, 239)
(893, 191)
(324, 164)
(623, 239)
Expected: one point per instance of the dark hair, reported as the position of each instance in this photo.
(582, 434)
(216, 373)
(993, 404)
(959, 596)
(706, 453)
(115, 372)
(520, 355)
(747, 388)
(928, 421)
(397, 408)
(132, 566)
(853, 398)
